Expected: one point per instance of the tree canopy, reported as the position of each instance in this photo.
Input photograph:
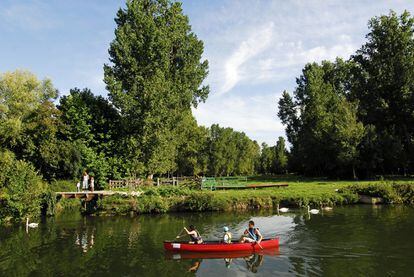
(358, 113)
(154, 77)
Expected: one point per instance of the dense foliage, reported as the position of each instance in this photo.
(356, 117)
(21, 189)
(273, 159)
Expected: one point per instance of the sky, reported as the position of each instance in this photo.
(256, 49)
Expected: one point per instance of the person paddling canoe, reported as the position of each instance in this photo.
(252, 234)
(195, 237)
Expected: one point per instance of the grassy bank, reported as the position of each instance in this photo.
(298, 194)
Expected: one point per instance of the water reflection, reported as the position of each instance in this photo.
(253, 261)
(195, 265)
(349, 241)
(85, 239)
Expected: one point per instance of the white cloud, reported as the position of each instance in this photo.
(28, 16)
(257, 42)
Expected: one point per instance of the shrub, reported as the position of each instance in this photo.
(63, 185)
(392, 193)
(22, 191)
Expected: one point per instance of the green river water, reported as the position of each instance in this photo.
(348, 241)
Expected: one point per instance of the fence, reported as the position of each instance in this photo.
(130, 184)
(174, 181)
(134, 184)
(213, 183)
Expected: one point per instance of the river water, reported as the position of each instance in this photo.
(348, 241)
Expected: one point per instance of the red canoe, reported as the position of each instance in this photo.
(216, 246)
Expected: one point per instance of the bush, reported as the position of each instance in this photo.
(391, 193)
(63, 185)
(22, 191)
(405, 192)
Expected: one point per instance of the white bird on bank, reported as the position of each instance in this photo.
(31, 225)
(283, 210)
(312, 211)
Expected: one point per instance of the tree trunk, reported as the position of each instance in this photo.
(353, 172)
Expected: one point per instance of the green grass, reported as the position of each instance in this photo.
(299, 193)
(290, 179)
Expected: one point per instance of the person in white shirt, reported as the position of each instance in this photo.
(85, 180)
(92, 185)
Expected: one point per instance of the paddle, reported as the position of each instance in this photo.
(179, 234)
(254, 237)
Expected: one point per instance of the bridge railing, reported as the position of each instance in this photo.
(213, 183)
(127, 183)
(135, 183)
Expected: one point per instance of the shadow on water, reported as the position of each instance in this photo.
(358, 240)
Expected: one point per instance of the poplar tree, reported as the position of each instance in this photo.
(154, 77)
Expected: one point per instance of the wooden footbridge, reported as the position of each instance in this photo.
(88, 195)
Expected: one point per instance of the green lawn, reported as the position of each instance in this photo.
(299, 193)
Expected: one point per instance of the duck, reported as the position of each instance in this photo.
(283, 210)
(313, 211)
(31, 225)
(326, 208)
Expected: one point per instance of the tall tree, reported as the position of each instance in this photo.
(192, 158)
(281, 157)
(384, 86)
(267, 159)
(93, 126)
(231, 152)
(155, 76)
(321, 124)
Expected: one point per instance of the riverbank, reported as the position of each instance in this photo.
(297, 194)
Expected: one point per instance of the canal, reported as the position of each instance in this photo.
(348, 241)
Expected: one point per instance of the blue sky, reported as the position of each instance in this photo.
(256, 49)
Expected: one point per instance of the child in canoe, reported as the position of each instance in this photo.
(195, 237)
(251, 234)
(227, 235)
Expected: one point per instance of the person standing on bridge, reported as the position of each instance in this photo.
(92, 184)
(85, 180)
(78, 187)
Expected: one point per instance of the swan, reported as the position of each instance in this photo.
(31, 225)
(313, 211)
(283, 210)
